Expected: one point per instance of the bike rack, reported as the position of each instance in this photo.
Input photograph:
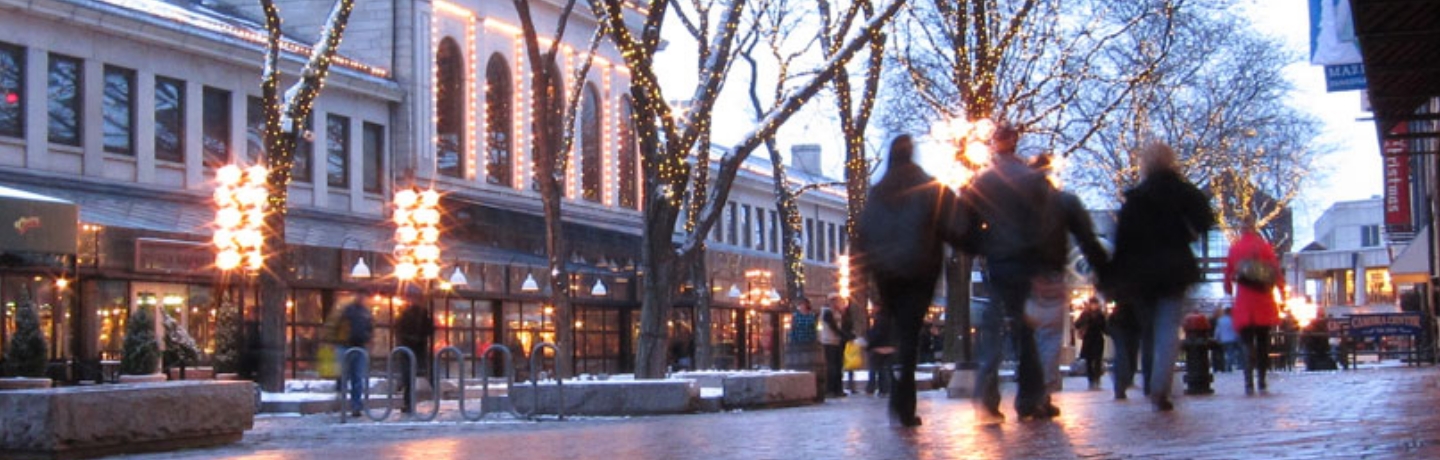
(485, 377)
(435, 383)
(536, 356)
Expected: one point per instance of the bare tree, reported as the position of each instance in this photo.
(667, 140)
(1220, 100)
(282, 133)
(553, 133)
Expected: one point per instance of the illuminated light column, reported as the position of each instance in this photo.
(417, 234)
(607, 151)
(239, 215)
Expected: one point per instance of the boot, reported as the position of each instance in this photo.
(1262, 382)
(1249, 385)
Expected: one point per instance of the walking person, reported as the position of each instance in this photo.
(355, 330)
(414, 328)
(1253, 266)
(1123, 325)
(1062, 217)
(834, 333)
(1153, 264)
(881, 358)
(1008, 199)
(803, 352)
(907, 217)
(1231, 352)
(1092, 326)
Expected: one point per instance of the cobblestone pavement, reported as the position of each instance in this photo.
(1373, 413)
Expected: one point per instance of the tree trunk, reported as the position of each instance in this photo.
(957, 308)
(700, 277)
(274, 287)
(794, 268)
(658, 260)
(559, 283)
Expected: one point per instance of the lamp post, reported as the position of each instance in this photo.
(240, 199)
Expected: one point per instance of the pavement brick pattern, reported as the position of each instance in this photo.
(1372, 413)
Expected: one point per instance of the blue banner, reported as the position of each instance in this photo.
(1345, 77)
(1385, 325)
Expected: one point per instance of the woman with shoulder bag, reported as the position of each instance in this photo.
(1253, 266)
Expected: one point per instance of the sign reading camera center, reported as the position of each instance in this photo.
(1333, 45)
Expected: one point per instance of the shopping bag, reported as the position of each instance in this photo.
(325, 362)
(854, 358)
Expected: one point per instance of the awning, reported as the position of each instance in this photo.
(1398, 44)
(36, 223)
(1412, 265)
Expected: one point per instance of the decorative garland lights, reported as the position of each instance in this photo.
(417, 234)
(239, 216)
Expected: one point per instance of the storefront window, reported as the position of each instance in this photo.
(110, 302)
(681, 326)
(50, 303)
(528, 324)
(306, 310)
(597, 340)
(760, 343)
(725, 337)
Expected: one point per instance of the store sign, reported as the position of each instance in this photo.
(1397, 183)
(1385, 324)
(1344, 77)
(153, 255)
(29, 223)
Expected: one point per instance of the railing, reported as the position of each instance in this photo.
(408, 374)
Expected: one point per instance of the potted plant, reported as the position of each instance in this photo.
(228, 342)
(141, 361)
(26, 356)
(180, 348)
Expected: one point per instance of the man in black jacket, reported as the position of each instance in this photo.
(1007, 199)
(908, 216)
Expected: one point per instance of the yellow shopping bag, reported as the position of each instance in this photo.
(325, 362)
(854, 358)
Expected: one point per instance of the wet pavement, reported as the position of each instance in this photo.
(1371, 413)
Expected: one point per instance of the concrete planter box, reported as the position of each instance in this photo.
(24, 383)
(611, 397)
(192, 373)
(143, 378)
(98, 420)
(758, 389)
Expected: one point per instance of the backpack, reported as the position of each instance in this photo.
(1257, 274)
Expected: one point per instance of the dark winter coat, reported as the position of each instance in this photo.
(1160, 218)
(908, 216)
(1092, 322)
(1008, 200)
(1065, 216)
(356, 326)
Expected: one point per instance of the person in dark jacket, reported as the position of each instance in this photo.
(1062, 217)
(355, 331)
(1092, 326)
(414, 328)
(1007, 200)
(908, 216)
(1123, 325)
(1153, 264)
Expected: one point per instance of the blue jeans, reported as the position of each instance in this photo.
(1233, 356)
(1047, 316)
(1160, 337)
(1127, 349)
(1009, 287)
(355, 367)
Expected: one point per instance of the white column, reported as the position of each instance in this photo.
(37, 115)
(319, 152)
(92, 120)
(194, 135)
(144, 127)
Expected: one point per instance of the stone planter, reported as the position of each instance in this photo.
(24, 383)
(192, 373)
(100, 420)
(227, 376)
(143, 378)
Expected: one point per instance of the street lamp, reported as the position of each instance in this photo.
(417, 234)
(239, 217)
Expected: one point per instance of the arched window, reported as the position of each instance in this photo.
(450, 109)
(557, 101)
(591, 184)
(628, 158)
(498, 125)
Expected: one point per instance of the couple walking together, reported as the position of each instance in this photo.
(1013, 217)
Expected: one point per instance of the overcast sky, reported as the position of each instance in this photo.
(1352, 172)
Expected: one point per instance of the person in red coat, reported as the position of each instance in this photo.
(1255, 312)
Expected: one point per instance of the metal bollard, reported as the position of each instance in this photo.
(1197, 362)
